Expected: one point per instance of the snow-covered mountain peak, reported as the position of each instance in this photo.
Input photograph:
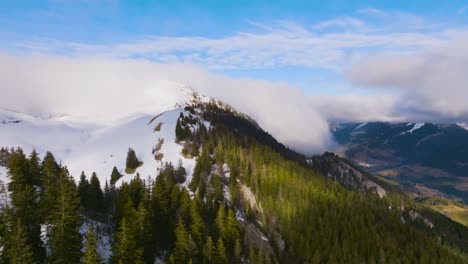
(88, 147)
(189, 96)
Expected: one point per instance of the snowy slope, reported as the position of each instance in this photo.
(415, 127)
(3, 174)
(87, 147)
(463, 125)
(361, 125)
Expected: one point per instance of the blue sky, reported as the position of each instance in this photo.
(408, 56)
(28, 24)
(291, 65)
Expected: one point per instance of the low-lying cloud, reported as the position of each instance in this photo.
(102, 91)
(431, 85)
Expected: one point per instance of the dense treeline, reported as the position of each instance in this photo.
(320, 220)
(150, 218)
(250, 200)
(43, 199)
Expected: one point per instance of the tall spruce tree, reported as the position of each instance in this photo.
(115, 176)
(95, 195)
(184, 248)
(208, 251)
(18, 250)
(24, 201)
(125, 248)
(49, 183)
(90, 254)
(83, 190)
(132, 160)
(64, 236)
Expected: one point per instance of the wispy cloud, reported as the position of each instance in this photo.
(373, 11)
(344, 22)
(462, 10)
(416, 72)
(285, 44)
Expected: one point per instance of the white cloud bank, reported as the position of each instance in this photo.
(431, 85)
(103, 91)
(414, 70)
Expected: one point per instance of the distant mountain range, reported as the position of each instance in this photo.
(424, 158)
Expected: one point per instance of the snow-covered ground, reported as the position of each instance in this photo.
(360, 126)
(88, 148)
(4, 196)
(463, 125)
(415, 126)
(3, 175)
(104, 237)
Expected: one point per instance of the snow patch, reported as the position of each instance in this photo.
(414, 128)
(103, 235)
(360, 126)
(365, 164)
(4, 194)
(463, 125)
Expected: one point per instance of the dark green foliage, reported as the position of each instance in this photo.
(287, 213)
(182, 128)
(18, 250)
(83, 190)
(64, 236)
(90, 255)
(125, 247)
(132, 160)
(95, 195)
(50, 177)
(24, 177)
(180, 173)
(184, 249)
(115, 176)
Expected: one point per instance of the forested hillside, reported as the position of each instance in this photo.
(250, 200)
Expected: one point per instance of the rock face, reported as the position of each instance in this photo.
(342, 171)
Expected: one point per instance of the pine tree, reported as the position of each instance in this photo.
(237, 251)
(108, 199)
(220, 221)
(179, 132)
(18, 250)
(95, 195)
(50, 178)
(220, 256)
(132, 161)
(208, 251)
(24, 200)
(144, 232)
(125, 247)
(197, 227)
(90, 255)
(34, 169)
(180, 173)
(64, 237)
(184, 248)
(83, 190)
(115, 175)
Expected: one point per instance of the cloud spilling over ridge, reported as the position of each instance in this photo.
(102, 91)
(358, 108)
